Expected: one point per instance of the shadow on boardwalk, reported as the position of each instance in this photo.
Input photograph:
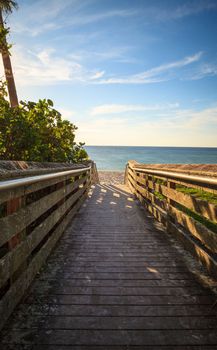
(113, 282)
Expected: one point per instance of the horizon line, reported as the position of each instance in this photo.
(151, 146)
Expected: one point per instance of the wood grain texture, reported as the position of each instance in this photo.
(161, 198)
(113, 282)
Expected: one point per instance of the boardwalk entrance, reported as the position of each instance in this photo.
(113, 282)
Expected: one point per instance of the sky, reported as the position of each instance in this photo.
(125, 72)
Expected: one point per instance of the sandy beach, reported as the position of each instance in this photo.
(111, 177)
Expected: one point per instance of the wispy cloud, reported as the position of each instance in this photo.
(52, 15)
(197, 119)
(108, 54)
(118, 108)
(186, 9)
(40, 16)
(180, 127)
(49, 9)
(96, 17)
(154, 75)
(46, 67)
(80, 13)
(49, 66)
(34, 30)
(203, 71)
(173, 117)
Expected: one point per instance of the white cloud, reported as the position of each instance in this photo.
(97, 75)
(67, 113)
(118, 108)
(34, 30)
(197, 119)
(39, 16)
(50, 15)
(178, 128)
(154, 75)
(46, 67)
(203, 71)
(96, 17)
(113, 53)
(47, 9)
(49, 66)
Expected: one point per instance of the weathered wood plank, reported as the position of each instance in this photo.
(206, 236)
(204, 208)
(15, 293)
(115, 337)
(11, 262)
(118, 322)
(165, 213)
(113, 282)
(24, 190)
(204, 257)
(115, 310)
(14, 223)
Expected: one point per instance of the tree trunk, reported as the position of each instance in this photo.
(8, 72)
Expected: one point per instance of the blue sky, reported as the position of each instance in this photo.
(125, 72)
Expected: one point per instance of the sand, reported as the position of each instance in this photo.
(111, 177)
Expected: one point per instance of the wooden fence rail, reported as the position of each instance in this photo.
(185, 204)
(34, 212)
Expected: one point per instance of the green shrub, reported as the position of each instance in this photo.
(37, 132)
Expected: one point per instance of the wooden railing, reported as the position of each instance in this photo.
(185, 204)
(34, 212)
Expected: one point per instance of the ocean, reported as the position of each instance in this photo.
(116, 157)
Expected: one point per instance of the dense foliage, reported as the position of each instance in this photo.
(36, 132)
(4, 46)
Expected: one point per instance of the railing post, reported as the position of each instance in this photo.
(13, 205)
(126, 175)
(94, 177)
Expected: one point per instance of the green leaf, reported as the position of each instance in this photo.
(50, 102)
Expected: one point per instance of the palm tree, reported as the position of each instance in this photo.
(6, 7)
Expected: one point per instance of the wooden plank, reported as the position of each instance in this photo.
(14, 223)
(117, 337)
(141, 180)
(155, 210)
(186, 182)
(119, 322)
(122, 273)
(189, 244)
(116, 311)
(24, 190)
(197, 186)
(131, 173)
(11, 262)
(146, 293)
(152, 198)
(204, 208)
(15, 293)
(206, 236)
(80, 299)
(113, 282)
(198, 230)
(68, 280)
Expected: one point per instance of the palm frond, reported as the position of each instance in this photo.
(7, 6)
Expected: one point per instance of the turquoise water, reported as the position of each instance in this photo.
(116, 157)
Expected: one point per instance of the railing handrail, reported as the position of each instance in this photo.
(174, 175)
(11, 184)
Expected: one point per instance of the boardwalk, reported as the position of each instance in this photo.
(113, 282)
